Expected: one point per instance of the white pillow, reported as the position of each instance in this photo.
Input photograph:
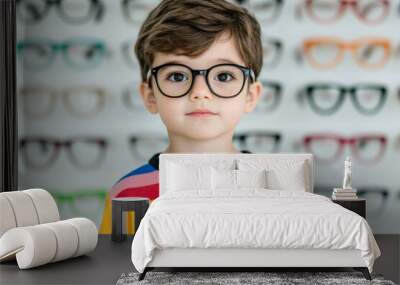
(223, 179)
(188, 177)
(229, 179)
(252, 178)
(282, 174)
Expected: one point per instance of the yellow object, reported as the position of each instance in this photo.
(106, 227)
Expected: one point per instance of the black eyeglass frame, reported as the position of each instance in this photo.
(96, 10)
(241, 138)
(278, 5)
(247, 73)
(309, 90)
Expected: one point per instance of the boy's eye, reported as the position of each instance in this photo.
(177, 77)
(224, 77)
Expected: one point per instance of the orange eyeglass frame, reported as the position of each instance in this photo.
(342, 46)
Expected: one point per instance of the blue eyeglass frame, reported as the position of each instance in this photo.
(247, 73)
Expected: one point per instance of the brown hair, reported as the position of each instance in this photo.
(189, 27)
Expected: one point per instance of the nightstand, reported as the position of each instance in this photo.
(358, 206)
(120, 205)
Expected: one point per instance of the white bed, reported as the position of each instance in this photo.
(285, 225)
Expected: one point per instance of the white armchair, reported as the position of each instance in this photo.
(31, 230)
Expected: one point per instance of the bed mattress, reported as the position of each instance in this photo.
(250, 219)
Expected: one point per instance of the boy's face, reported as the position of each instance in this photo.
(174, 112)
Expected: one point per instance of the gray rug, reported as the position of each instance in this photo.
(229, 278)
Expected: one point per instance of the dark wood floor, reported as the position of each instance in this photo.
(110, 260)
(389, 262)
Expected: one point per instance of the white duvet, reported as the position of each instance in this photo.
(252, 218)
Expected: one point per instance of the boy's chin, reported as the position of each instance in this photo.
(203, 134)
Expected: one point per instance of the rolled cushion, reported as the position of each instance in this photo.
(40, 244)
(7, 218)
(26, 208)
(45, 205)
(32, 246)
(66, 237)
(23, 208)
(87, 234)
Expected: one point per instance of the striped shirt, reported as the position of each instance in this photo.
(140, 182)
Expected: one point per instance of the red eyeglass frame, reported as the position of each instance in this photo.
(58, 144)
(342, 141)
(348, 4)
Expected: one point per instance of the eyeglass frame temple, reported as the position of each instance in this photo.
(100, 9)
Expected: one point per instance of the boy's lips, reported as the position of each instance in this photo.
(201, 113)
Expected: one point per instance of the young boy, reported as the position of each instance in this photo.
(199, 65)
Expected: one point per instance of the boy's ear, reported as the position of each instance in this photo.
(148, 97)
(253, 96)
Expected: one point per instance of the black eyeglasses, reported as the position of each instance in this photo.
(272, 51)
(258, 141)
(326, 98)
(264, 10)
(398, 94)
(270, 97)
(130, 98)
(223, 80)
(128, 53)
(136, 11)
(143, 146)
(72, 12)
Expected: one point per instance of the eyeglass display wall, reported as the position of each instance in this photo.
(331, 79)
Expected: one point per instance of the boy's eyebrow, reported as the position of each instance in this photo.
(226, 60)
(222, 60)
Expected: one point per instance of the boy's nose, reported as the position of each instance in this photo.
(200, 89)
